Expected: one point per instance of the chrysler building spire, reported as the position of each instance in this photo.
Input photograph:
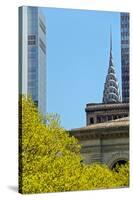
(111, 93)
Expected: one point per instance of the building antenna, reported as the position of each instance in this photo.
(110, 38)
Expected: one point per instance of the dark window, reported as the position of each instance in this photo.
(125, 115)
(98, 119)
(109, 118)
(91, 120)
(31, 37)
(36, 103)
(115, 117)
(119, 163)
(31, 40)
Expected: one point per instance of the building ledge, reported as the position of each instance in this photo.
(122, 122)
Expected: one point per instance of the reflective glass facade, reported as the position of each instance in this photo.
(32, 49)
(125, 55)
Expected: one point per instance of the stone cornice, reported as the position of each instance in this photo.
(101, 106)
(123, 122)
(101, 135)
(103, 130)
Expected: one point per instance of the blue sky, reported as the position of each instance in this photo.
(78, 45)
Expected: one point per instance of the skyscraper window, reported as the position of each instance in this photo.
(125, 55)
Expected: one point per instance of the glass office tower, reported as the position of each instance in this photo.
(32, 55)
(125, 55)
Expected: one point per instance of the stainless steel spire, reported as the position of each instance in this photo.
(111, 91)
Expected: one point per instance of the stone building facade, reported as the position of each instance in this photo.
(100, 112)
(105, 143)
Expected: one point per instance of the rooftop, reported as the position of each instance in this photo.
(122, 122)
(104, 106)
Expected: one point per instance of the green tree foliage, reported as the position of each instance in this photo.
(122, 174)
(50, 160)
